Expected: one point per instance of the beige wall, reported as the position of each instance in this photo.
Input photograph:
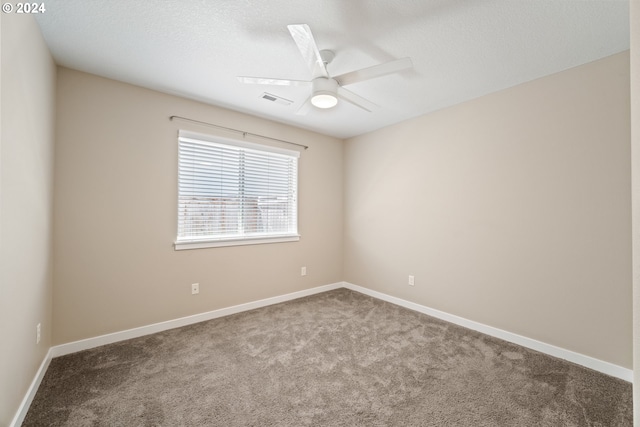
(115, 214)
(634, 9)
(512, 210)
(26, 172)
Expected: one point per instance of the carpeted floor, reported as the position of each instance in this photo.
(334, 359)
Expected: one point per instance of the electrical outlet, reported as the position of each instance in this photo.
(411, 281)
(38, 333)
(195, 288)
(303, 271)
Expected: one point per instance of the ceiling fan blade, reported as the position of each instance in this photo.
(375, 71)
(270, 81)
(304, 108)
(356, 100)
(303, 38)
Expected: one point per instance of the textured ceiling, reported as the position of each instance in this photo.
(460, 49)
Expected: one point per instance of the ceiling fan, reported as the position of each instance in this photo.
(327, 89)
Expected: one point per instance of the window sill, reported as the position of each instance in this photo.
(202, 244)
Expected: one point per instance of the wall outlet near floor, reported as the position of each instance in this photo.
(195, 288)
(38, 333)
(303, 271)
(411, 281)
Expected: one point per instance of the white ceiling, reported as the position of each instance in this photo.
(461, 49)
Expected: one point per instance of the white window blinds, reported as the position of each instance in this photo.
(233, 192)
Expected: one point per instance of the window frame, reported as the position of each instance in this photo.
(222, 241)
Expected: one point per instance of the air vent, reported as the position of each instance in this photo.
(274, 98)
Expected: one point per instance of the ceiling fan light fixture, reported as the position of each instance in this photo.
(324, 93)
(324, 99)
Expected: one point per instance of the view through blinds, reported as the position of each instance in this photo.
(235, 190)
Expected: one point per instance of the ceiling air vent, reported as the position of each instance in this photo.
(277, 99)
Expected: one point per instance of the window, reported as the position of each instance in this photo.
(235, 193)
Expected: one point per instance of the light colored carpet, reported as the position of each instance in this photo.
(334, 359)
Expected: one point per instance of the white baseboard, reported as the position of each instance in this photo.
(561, 353)
(73, 347)
(31, 392)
